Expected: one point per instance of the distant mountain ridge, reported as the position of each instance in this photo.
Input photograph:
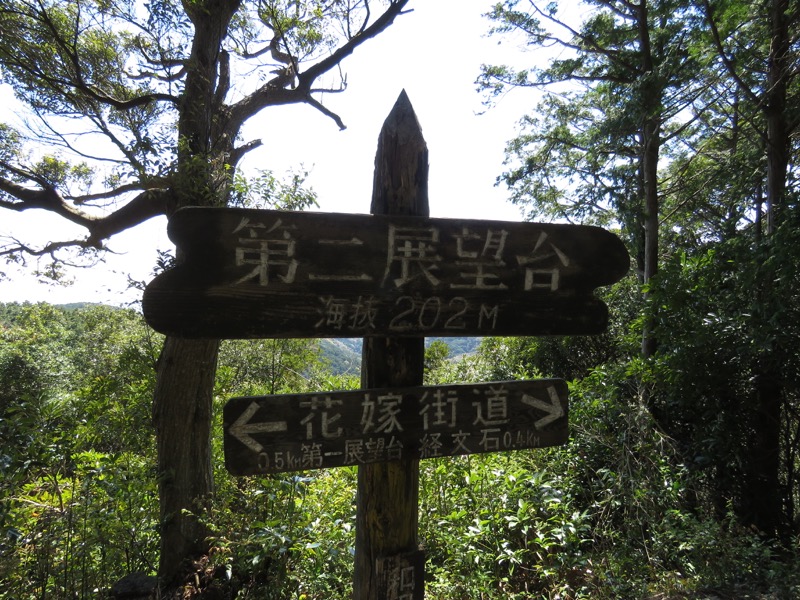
(344, 354)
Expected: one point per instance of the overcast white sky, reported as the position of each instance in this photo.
(434, 53)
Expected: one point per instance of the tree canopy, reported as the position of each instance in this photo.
(660, 119)
(141, 106)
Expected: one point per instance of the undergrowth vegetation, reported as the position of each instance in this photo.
(615, 513)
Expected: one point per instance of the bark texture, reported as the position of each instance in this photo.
(182, 418)
(388, 493)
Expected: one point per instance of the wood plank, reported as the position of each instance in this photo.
(250, 273)
(274, 434)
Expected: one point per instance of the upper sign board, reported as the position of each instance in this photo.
(261, 274)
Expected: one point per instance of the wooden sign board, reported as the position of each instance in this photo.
(273, 434)
(261, 274)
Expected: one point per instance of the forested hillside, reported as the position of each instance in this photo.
(344, 355)
(617, 513)
(677, 123)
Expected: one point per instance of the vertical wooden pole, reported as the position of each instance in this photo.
(388, 493)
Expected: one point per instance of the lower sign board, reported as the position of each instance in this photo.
(273, 434)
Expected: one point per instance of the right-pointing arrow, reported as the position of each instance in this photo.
(553, 408)
(242, 428)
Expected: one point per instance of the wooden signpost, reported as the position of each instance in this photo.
(391, 277)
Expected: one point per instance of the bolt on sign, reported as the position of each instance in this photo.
(261, 273)
(273, 434)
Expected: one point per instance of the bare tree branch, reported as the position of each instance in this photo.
(238, 153)
(325, 111)
(155, 183)
(306, 79)
(16, 247)
(147, 204)
(589, 43)
(273, 93)
(726, 60)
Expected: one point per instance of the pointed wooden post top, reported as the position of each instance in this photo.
(400, 186)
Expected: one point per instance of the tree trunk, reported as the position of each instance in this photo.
(182, 419)
(763, 500)
(186, 369)
(651, 216)
(650, 132)
(775, 108)
(764, 491)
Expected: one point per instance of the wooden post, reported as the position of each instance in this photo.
(388, 493)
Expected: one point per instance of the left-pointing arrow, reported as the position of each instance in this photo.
(553, 408)
(242, 428)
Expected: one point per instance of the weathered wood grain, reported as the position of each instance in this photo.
(387, 497)
(279, 433)
(251, 273)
